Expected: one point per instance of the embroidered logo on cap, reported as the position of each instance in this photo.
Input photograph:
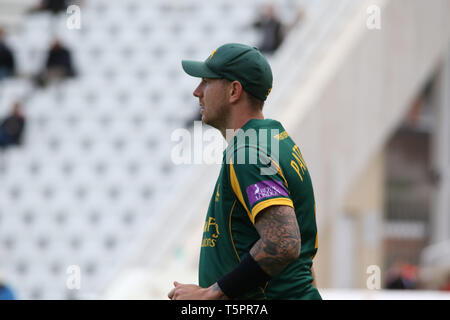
(212, 54)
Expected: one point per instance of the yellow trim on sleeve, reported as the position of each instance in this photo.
(267, 203)
(236, 188)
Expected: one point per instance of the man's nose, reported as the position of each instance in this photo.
(198, 92)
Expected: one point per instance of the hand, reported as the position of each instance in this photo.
(194, 292)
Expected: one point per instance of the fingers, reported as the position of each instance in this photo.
(171, 294)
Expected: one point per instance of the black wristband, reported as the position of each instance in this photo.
(247, 276)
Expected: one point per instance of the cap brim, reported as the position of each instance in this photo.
(198, 69)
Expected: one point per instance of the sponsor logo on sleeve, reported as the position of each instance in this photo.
(265, 190)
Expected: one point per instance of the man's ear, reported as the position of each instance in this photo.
(235, 91)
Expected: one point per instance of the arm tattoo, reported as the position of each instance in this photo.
(279, 244)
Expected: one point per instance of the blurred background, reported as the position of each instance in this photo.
(92, 205)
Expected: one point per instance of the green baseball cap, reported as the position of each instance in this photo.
(235, 62)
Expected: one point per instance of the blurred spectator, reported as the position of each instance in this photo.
(5, 291)
(7, 64)
(11, 128)
(417, 114)
(59, 60)
(446, 285)
(53, 6)
(272, 29)
(58, 66)
(402, 276)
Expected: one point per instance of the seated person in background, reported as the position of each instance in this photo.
(53, 6)
(58, 66)
(11, 128)
(7, 64)
(272, 29)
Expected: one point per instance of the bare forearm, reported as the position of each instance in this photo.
(278, 246)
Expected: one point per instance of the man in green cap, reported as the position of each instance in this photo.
(260, 234)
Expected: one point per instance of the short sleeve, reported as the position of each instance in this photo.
(255, 188)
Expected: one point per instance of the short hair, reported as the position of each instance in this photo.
(256, 103)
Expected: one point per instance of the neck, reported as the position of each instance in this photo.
(238, 122)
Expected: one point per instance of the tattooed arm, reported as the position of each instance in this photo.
(279, 244)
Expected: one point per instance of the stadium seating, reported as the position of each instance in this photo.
(95, 165)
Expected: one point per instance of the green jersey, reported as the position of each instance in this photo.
(262, 167)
